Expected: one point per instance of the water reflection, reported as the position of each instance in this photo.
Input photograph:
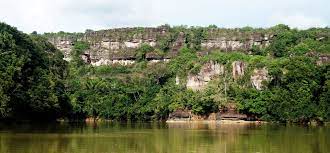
(162, 138)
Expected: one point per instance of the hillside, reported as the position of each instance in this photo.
(193, 73)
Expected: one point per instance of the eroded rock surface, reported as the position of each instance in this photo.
(207, 72)
(234, 41)
(323, 58)
(227, 112)
(115, 61)
(187, 115)
(238, 69)
(230, 112)
(122, 43)
(177, 80)
(64, 44)
(258, 77)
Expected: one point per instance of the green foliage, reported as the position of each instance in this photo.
(78, 49)
(324, 94)
(204, 104)
(164, 43)
(184, 62)
(225, 58)
(292, 96)
(289, 42)
(283, 40)
(196, 68)
(110, 70)
(257, 50)
(300, 49)
(212, 26)
(253, 102)
(142, 51)
(32, 77)
(195, 37)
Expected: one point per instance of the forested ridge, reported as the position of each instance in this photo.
(32, 77)
(37, 84)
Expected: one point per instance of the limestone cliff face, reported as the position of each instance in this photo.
(212, 69)
(64, 44)
(120, 45)
(258, 77)
(236, 42)
(238, 69)
(207, 72)
(110, 46)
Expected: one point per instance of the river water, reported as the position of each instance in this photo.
(162, 138)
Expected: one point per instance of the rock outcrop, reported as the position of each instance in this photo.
(258, 77)
(322, 58)
(121, 44)
(111, 62)
(228, 112)
(238, 69)
(187, 115)
(64, 44)
(177, 80)
(180, 115)
(207, 72)
(212, 69)
(234, 44)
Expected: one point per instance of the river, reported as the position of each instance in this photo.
(162, 138)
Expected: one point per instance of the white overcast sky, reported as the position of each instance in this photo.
(78, 15)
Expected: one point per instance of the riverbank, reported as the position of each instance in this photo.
(218, 121)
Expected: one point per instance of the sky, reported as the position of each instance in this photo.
(79, 15)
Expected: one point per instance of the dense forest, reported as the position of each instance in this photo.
(32, 77)
(37, 84)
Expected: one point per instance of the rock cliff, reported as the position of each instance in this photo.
(238, 69)
(213, 69)
(207, 72)
(227, 40)
(120, 45)
(258, 77)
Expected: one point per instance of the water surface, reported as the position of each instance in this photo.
(162, 138)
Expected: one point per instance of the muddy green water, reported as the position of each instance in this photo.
(162, 138)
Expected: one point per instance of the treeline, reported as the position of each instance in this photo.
(37, 84)
(297, 92)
